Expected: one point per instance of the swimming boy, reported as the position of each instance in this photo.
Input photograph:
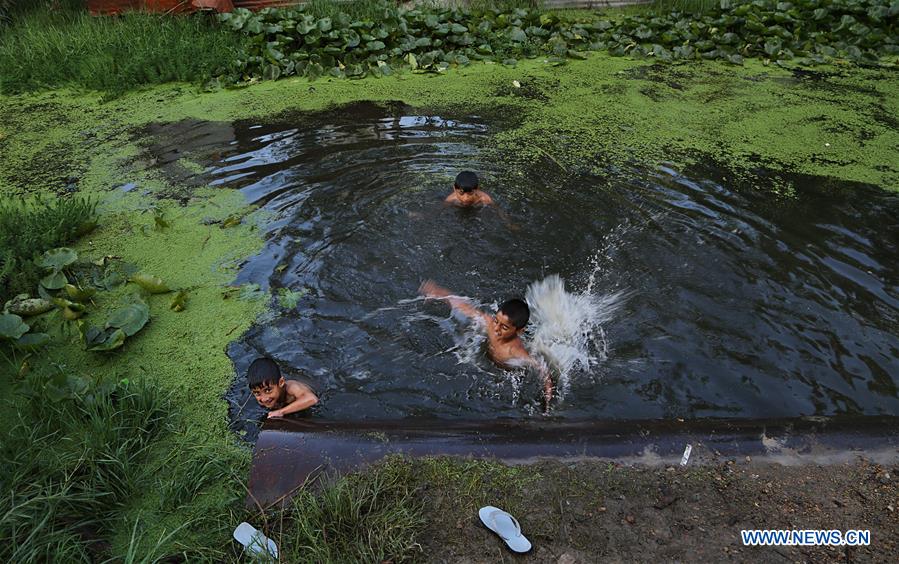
(467, 192)
(504, 329)
(273, 392)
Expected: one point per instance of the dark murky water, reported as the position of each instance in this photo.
(737, 303)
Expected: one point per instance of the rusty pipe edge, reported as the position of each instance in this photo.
(290, 452)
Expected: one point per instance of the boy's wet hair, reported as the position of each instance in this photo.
(517, 311)
(263, 371)
(467, 181)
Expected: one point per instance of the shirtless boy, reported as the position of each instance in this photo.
(467, 192)
(275, 393)
(504, 329)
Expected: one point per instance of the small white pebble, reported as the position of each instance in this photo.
(516, 84)
(827, 144)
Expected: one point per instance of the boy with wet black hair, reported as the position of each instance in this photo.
(467, 191)
(275, 393)
(504, 329)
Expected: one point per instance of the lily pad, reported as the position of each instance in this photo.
(96, 340)
(55, 281)
(31, 341)
(58, 259)
(130, 319)
(150, 283)
(11, 326)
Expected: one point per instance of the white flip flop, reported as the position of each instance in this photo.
(505, 526)
(255, 542)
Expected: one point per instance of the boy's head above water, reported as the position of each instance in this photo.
(466, 182)
(511, 318)
(467, 191)
(265, 381)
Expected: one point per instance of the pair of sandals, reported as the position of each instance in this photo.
(495, 519)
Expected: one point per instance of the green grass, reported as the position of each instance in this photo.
(372, 516)
(45, 48)
(378, 514)
(96, 470)
(70, 464)
(30, 227)
(356, 9)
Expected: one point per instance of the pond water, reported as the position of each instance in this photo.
(689, 294)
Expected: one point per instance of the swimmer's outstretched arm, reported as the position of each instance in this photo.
(430, 289)
(304, 399)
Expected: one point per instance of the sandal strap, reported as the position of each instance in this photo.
(514, 520)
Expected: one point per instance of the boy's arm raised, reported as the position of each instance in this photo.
(304, 399)
(430, 289)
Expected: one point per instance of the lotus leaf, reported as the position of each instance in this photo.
(151, 284)
(57, 259)
(517, 34)
(55, 281)
(253, 26)
(271, 72)
(130, 319)
(31, 341)
(11, 326)
(96, 340)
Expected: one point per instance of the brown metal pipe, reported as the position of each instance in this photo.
(290, 451)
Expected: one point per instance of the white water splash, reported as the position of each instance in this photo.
(566, 328)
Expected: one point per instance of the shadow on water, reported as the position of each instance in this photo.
(739, 303)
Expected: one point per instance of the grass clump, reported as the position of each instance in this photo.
(373, 516)
(47, 48)
(95, 470)
(30, 227)
(70, 465)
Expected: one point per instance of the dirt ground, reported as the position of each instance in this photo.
(604, 512)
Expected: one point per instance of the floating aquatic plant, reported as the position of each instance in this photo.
(292, 42)
(123, 323)
(56, 260)
(150, 283)
(15, 331)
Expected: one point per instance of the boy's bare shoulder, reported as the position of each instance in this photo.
(295, 388)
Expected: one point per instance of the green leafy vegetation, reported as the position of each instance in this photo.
(51, 47)
(808, 31)
(30, 228)
(298, 42)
